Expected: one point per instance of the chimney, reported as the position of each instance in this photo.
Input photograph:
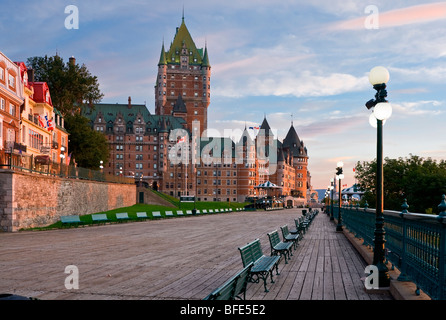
(30, 75)
(130, 103)
(72, 60)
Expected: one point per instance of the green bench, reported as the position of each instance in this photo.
(279, 247)
(299, 229)
(71, 220)
(100, 217)
(122, 216)
(287, 236)
(304, 223)
(156, 214)
(234, 288)
(142, 215)
(263, 265)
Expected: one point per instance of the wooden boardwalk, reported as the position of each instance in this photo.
(179, 258)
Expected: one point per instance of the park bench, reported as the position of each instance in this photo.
(189, 212)
(300, 228)
(217, 210)
(180, 212)
(287, 236)
(71, 220)
(142, 215)
(169, 214)
(279, 247)
(123, 216)
(204, 211)
(156, 214)
(234, 288)
(99, 217)
(263, 265)
(211, 210)
(304, 224)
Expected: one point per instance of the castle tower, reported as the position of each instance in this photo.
(184, 71)
(300, 161)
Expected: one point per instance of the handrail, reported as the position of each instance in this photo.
(415, 244)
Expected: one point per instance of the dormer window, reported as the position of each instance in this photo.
(11, 81)
(47, 97)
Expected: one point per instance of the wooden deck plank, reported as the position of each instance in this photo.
(141, 261)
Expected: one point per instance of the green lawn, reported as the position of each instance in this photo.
(149, 208)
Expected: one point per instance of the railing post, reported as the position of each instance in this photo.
(403, 275)
(441, 267)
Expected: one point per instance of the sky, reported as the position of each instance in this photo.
(296, 62)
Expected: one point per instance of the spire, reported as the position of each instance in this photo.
(180, 106)
(163, 60)
(293, 142)
(205, 62)
(265, 125)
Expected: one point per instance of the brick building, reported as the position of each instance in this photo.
(147, 146)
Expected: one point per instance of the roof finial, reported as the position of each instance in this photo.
(183, 13)
(291, 119)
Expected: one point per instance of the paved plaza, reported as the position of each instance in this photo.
(179, 258)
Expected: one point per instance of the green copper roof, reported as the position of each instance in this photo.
(183, 39)
(110, 113)
(205, 58)
(162, 57)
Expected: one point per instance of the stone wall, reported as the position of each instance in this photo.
(32, 200)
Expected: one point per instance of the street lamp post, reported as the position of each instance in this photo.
(382, 110)
(339, 176)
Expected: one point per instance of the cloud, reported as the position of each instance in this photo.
(421, 74)
(284, 83)
(417, 108)
(398, 17)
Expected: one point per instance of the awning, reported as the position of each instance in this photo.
(268, 185)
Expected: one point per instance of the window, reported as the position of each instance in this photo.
(2, 74)
(12, 110)
(2, 104)
(11, 81)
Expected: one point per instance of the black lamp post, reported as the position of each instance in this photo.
(339, 176)
(382, 110)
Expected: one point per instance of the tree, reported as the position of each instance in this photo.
(89, 147)
(72, 87)
(420, 181)
(73, 90)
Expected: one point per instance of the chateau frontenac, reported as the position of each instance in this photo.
(142, 144)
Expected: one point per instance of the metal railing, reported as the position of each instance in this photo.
(415, 244)
(31, 165)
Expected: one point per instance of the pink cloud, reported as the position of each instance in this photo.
(399, 17)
